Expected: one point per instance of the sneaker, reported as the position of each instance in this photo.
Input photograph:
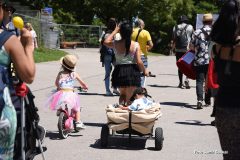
(187, 84)
(207, 105)
(199, 105)
(108, 93)
(116, 91)
(180, 86)
(80, 125)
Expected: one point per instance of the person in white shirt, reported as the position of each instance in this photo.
(29, 27)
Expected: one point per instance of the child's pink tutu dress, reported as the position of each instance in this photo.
(65, 95)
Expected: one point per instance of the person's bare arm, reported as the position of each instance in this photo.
(123, 107)
(35, 42)
(21, 54)
(109, 40)
(82, 83)
(149, 45)
(57, 80)
(191, 47)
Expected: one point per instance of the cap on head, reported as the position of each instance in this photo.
(69, 62)
(183, 18)
(207, 17)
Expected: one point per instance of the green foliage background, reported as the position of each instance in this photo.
(159, 15)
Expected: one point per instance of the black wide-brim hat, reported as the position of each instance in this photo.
(183, 18)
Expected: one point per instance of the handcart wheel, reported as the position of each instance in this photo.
(61, 126)
(158, 138)
(104, 135)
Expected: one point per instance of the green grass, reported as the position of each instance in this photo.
(45, 55)
(155, 54)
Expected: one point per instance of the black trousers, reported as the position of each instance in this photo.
(180, 74)
(201, 72)
(228, 127)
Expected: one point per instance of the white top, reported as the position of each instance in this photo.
(34, 36)
(140, 104)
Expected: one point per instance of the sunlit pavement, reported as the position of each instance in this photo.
(188, 134)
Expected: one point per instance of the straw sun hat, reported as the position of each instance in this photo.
(207, 17)
(69, 62)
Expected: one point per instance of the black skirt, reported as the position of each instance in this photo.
(126, 75)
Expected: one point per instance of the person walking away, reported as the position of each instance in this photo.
(108, 57)
(144, 39)
(226, 34)
(126, 74)
(7, 23)
(182, 34)
(21, 55)
(29, 27)
(200, 44)
(65, 88)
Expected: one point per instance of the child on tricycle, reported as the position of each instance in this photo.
(65, 89)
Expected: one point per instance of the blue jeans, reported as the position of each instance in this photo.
(108, 69)
(145, 63)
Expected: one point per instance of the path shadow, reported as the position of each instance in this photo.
(179, 104)
(167, 74)
(122, 143)
(54, 135)
(91, 94)
(95, 94)
(162, 86)
(194, 123)
(93, 124)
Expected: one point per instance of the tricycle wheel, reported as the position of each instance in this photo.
(158, 138)
(63, 132)
(104, 135)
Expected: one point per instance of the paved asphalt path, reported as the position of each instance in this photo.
(187, 131)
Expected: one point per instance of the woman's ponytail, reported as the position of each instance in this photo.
(126, 32)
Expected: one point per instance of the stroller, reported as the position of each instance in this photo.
(29, 132)
(138, 123)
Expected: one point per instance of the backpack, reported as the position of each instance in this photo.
(206, 35)
(5, 79)
(181, 39)
(204, 43)
(105, 51)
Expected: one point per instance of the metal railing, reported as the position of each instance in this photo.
(50, 34)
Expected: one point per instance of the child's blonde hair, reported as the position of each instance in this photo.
(29, 25)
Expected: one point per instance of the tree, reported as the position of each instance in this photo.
(159, 15)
